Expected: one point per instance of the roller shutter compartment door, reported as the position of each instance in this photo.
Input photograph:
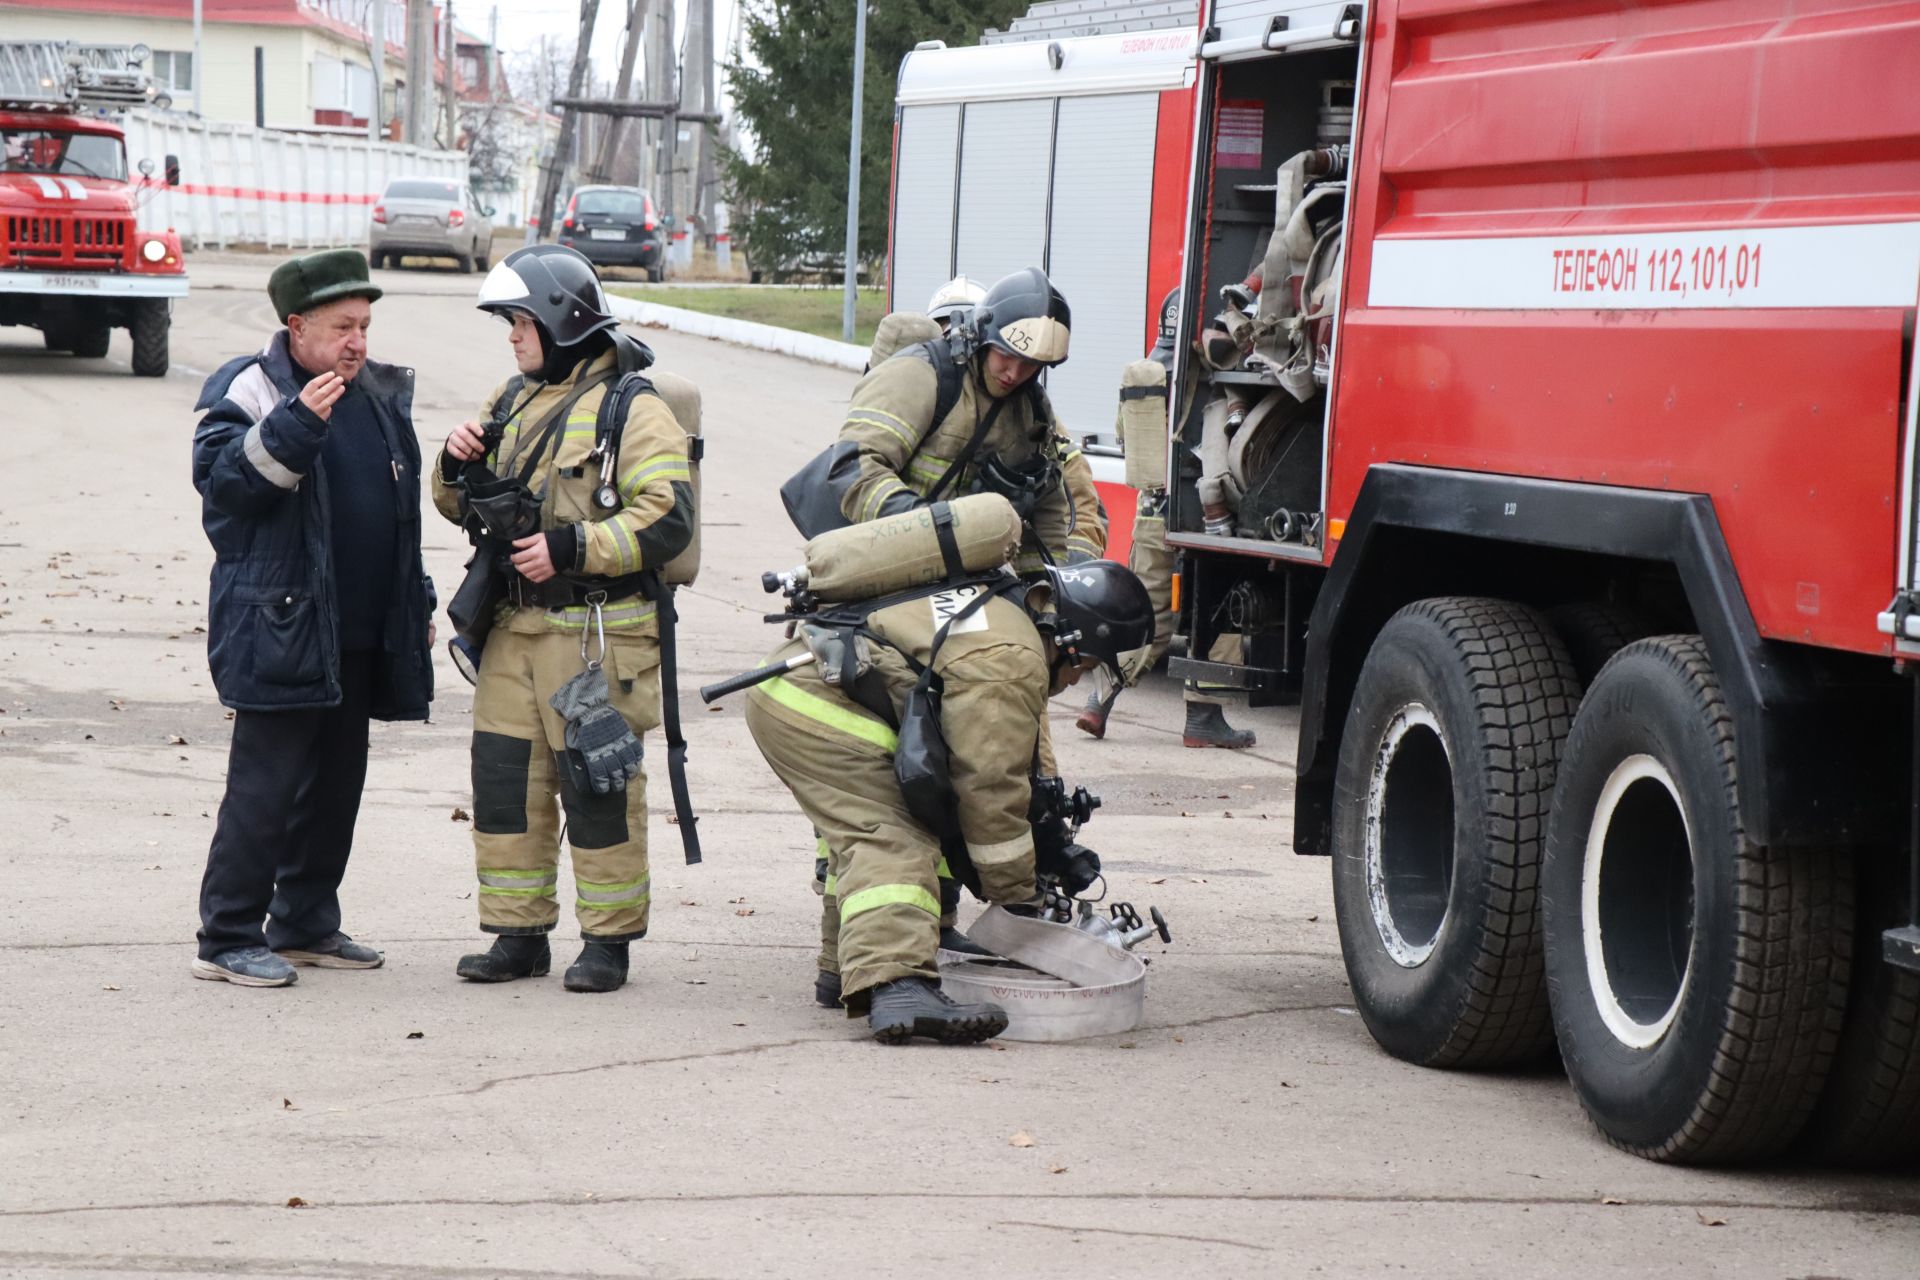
(923, 204)
(1004, 159)
(1102, 207)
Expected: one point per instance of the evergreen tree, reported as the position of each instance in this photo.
(789, 201)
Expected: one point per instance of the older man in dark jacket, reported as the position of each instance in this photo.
(319, 617)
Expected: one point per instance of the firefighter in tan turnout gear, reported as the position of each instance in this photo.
(998, 651)
(934, 382)
(1145, 385)
(568, 679)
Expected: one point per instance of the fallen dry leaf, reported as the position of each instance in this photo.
(739, 1024)
(1179, 1039)
(695, 982)
(460, 815)
(1611, 1200)
(175, 740)
(1161, 880)
(1313, 919)
(1706, 1221)
(744, 911)
(286, 1104)
(1056, 1168)
(689, 902)
(416, 1035)
(295, 1202)
(1021, 1139)
(109, 988)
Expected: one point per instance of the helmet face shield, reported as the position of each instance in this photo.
(503, 286)
(1040, 339)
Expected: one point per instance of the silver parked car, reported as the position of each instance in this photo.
(430, 218)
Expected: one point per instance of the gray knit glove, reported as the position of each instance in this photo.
(599, 741)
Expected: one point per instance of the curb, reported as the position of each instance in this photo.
(745, 333)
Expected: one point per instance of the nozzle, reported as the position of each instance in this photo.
(769, 582)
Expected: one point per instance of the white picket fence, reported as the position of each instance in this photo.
(241, 185)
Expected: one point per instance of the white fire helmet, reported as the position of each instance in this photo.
(957, 294)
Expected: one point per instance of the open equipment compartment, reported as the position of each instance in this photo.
(1251, 407)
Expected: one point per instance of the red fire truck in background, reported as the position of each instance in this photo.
(73, 264)
(1547, 431)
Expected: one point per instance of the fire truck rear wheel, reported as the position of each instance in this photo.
(149, 328)
(1869, 1113)
(89, 341)
(1447, 762)
(1698, 979)
(1595, 630)
(57, 337)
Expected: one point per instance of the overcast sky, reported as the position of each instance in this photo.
(523, 22)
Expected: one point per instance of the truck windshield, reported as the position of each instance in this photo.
(81, 155)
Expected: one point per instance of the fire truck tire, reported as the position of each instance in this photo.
(1869, 1114)
(57, 338)
(88, 341)
(1595, 630)
(1447, 763)
(1699, 980)
(149, 329)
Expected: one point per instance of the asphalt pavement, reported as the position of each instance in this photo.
(708, 1119)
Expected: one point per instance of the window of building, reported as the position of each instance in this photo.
(173, 69)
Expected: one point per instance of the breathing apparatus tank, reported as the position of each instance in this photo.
(900, 552)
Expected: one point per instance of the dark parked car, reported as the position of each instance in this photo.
(616, 227)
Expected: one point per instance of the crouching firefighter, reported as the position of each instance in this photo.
(907, 728)
(578, 492)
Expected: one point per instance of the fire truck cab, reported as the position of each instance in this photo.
(1544, 426)
(73, 263)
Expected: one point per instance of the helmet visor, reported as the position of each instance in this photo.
(502, 287)
(1040, 339)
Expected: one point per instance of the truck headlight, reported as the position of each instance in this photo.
(154, 250)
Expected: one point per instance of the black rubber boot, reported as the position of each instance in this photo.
(1207, 727)
(826, 989)
(510, 957)
(951, 939)
(602, 966)
(909, 1007)
(1093, 719)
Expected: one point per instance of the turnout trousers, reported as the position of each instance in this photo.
(1151, 560)
(520, 794)
(884, 865)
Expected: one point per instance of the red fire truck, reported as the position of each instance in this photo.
(73, 263)
(1547, 431)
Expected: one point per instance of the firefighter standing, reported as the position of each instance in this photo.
(998, 667)
(573, 597)
(1153, 560)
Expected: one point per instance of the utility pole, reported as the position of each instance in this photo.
(853, 170)
(419, 70)
(550, 179)
(602, 170)
(700, 54)
(199, 65)
(377, 47)
(662, 87)
(452, 98)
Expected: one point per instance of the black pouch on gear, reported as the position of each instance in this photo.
(921, 761)
(809, 495)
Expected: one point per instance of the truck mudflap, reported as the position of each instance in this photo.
(92, 284)
(1811, 724)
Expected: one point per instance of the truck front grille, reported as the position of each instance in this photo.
(99, 239)
(42, 240)
(33, 237)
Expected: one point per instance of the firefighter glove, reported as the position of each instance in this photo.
(601, 745)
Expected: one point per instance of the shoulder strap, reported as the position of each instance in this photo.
(614, 407)
(980, 430)
(665, 618)
(550, 426)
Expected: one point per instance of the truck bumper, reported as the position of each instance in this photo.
(92, 284)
